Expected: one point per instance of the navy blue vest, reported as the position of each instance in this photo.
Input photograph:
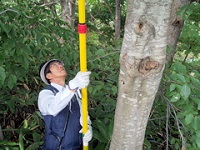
(62, 130)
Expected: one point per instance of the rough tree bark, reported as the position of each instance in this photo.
(150, 26)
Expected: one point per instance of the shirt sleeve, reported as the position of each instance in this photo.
(50, 104)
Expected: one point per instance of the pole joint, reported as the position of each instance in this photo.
(82, 28)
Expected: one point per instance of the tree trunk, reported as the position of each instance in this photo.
(150, 26)
(117, 19)
(1, 133)
(68, 11)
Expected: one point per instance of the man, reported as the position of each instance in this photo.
(60, 107)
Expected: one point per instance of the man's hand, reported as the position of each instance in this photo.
(87, 136)
(81, 80)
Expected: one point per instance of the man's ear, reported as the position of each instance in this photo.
(48, 76)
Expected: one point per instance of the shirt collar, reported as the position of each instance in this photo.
(57, 86)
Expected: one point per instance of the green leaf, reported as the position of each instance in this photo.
(35, 145)
(11, 81)
(99, 136)
(172, 87)
(181, 78)
(99, 87)
(25, 125)
(180, 68)
(147, 143)
(100, 146)
(114, 89)
(10, 44)
(176, 96)
(11, 105)
(189, 118)
(21, 141)
(6, 27)
(181, 11)
(172, 141)
(185, 91)
(37, 137)
(99, 110)
(103, 129)
(100, 52)
(198, 133)
(199, 106)
(110, 128)
(195, 81)
(8, 143)
(198, 142)
(2, 76)
(196, 122)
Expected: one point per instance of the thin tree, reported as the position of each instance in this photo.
(68, 11)
(1, 133)
(117, 19)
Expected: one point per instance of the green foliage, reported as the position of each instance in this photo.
(102, 93)
(101, 17)
(190, 34)
(29, 35)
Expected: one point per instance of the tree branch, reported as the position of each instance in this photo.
(8, 10)
(177, 121)
(12, 10)
(49, 4)
(166, 126)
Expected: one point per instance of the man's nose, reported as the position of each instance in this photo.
(60, 66)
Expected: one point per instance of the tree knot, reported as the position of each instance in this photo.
(146, 65)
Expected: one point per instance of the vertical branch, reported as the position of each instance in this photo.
(166, 127)
(117, 19)
(177, 121)
(185, 58)
(179, 129)
(1, 133)
(175, 26)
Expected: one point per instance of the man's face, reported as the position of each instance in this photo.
(57, 69)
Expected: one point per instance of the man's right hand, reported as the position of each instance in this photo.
(81, 80)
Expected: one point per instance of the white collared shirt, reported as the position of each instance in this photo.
(51, 104)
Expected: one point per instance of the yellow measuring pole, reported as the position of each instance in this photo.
(81, 11)
(82, 29)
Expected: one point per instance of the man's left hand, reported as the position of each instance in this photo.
(87, 136)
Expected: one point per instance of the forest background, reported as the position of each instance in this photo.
(33, 31)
